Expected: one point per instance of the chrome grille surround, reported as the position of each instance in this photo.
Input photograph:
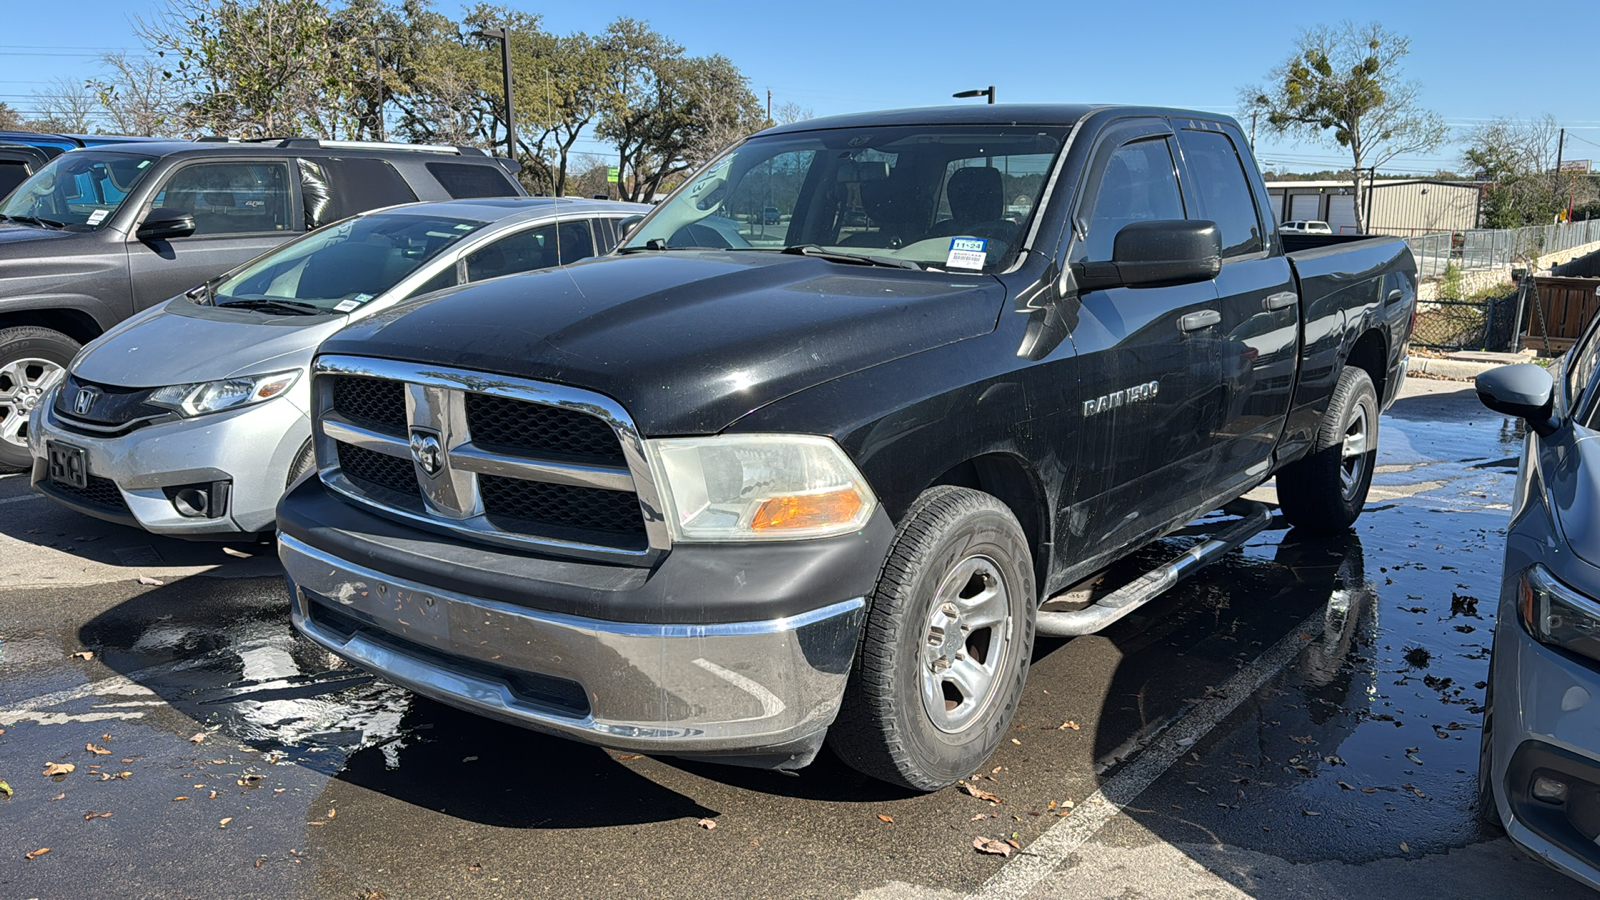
(451, 500)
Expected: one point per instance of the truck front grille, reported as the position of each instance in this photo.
(500, 460)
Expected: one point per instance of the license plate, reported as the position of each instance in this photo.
(68, 465)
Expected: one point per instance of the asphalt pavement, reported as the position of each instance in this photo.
(1298, 720)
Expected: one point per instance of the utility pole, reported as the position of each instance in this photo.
(503, 35)
(1555, 182)
(769, 106)
(1253, 131)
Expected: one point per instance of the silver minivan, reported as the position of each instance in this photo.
(191, 418)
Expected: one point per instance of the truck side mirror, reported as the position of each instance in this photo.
(1162, 251)
(1524, 390)
(164, 224)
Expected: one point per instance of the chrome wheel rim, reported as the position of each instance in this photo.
(1353, 462)
(23, 383)
(966, 644)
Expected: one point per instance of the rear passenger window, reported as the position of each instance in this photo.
(466, 180)
(1219, 181)
(335, 189)
(230, 197)
(12, 173)
(1138, 185)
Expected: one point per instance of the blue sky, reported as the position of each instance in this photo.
(1474, 60)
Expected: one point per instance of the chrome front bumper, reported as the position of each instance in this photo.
(760, 692)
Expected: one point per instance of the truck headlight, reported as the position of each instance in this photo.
(758, 487)
(229, 393)
(1557, 615)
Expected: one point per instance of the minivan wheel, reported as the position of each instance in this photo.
(945, 650)
(1324, 492)
(32, 361)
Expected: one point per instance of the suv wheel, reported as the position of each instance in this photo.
(32, 361)
(945, 650)
(1324, 492)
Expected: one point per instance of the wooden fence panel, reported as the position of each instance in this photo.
(1569, 304)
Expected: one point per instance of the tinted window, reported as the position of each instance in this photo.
(439, 282)
(12, 173)
(230, 197)
(1224, 191)
(82, 189)
(536, 248)
(335, 189)
(1580, 365)
(1138, 185)
(466, 180)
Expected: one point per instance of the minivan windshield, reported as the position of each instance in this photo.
(341, 266)
(953, 198)
(79, 190)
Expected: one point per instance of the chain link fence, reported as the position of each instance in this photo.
(1489, 248)
(1486, 324)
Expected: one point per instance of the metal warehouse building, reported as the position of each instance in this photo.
(1396, 206)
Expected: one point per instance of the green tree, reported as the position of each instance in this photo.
(1345, 87)
(1518, 159)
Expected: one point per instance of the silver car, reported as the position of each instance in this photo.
(1539, 769)
(190, 418)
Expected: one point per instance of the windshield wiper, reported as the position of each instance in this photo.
(288, 306)
(858, 259)
(49, 223)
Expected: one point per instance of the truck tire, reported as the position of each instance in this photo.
(1324, 492)
(304, 461)
(32, 360)
(945, 649)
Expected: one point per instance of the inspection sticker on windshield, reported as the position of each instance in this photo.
(346, 305)
(966, 253)
(98, 215)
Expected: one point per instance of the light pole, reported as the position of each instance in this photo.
(986, 92)
(504, 37)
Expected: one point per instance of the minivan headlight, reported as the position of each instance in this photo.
(228, 393)
(1557, 615)
(758, 487)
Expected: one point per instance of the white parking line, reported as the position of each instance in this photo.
(1042, 857)
(21, 498)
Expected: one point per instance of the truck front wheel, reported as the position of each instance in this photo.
(945, 650)
(32, 360)
(1324, 492)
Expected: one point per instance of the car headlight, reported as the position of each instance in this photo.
(229, 393)
(1557, 615)
(758, 487)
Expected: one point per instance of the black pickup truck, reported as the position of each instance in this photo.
(756, 481)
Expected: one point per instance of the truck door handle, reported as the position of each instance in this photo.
(1395, 295)
(1281, 300)
(1197, 320)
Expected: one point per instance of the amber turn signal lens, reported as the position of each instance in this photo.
(806, 510)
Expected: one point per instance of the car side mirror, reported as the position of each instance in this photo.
(1524, 390)
(626, 226)
(1163, 251)
(164, 224)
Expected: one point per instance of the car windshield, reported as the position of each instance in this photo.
(341, 266)
(79, 190)
(949, 198)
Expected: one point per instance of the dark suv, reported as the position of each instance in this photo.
(102, 232)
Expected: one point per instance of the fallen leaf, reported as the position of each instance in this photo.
(176, 799)
(51, 769)
(224, 822)
(57, 797)
(1310, 812)
(978, 792)
(1068, 725)
(1308, 739)
(95, 815)
(83, 654)
(233, 552)
(39, 852)
(707, 824)
(631, 756)
(885, 819)
(332, 813)
(1404, 847)
(1017, 742)
(146, 579)
(198, 738)
(1346, 786)
(5, 789)
(97, 751)
(1369, 790)
(990, 845)
(1014, 844)
(213, 796)
(124, 775)
(259, 862)
(980, 816)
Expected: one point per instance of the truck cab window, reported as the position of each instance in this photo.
(1138, 185)
(1218, 179)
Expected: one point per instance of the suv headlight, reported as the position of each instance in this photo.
(758, 487)
(229, 393)
(1557, 615)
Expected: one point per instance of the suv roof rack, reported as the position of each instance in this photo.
(292, 143)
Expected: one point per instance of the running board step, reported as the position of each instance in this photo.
(1254, 517)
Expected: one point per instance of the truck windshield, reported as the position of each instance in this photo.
(79, 190)
(955, 198)
(339, 267)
